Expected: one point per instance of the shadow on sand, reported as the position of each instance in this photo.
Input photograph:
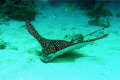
(68, 57)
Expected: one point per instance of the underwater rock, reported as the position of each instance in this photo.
(3, 19)
(118, 14)
(18, 10)
(99, 12)
(2, 44)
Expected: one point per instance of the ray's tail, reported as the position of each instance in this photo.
(95, 31)
(103, 36)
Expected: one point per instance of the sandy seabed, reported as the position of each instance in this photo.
(96, 61)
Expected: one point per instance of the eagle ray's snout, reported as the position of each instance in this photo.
(45, 59)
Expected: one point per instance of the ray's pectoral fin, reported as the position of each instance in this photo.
(101, 37)
(78, 45)
(68, 49)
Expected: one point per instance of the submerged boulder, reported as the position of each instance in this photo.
(2, 44)
(18, 10)
(4, 19)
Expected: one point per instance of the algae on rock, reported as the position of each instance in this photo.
(100, 22)
(97, 13)
(18, 10)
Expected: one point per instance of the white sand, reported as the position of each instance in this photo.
(97, 61)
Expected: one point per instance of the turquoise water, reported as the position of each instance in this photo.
(21, 52)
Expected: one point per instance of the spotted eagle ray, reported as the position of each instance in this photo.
(54, 48)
